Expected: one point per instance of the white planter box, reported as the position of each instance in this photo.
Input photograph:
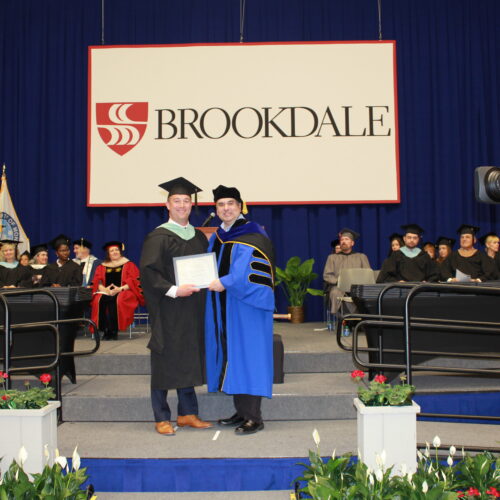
(389, 428)
(32, 429)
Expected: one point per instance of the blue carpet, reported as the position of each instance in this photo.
(167, 475)
(471, 403)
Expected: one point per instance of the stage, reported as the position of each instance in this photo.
(108, 415)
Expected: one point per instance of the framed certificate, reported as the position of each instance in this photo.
(198, 270)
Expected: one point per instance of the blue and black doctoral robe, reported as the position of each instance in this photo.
(239, 320)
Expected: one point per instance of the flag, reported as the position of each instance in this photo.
(11, 226)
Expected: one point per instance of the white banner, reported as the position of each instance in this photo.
(11, 225)
(283, 122)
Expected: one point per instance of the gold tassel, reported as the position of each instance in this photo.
(244, 209)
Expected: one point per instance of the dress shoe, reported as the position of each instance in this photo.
(249, 427)
(165, 428)
(229, 422)
(192, 421)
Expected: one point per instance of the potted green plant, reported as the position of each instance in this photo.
(387, 420)
(295, 280)
(28, 418)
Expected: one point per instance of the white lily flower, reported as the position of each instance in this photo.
(404, 470)
(61, 461)
(427, 453)
(371, 480)
(425, 487)
(430, 468)
(22, 456)
(436, 442)
(427, 445)
(410, 477)
(56, 452)
(316, 436)
(453, 450)
(46, 453)
(463, 452)
(449, 461)
(379, 475)
(378, 460)
(419, 455)
(383, 457)
(333, 454)
(359, 455)
(368, 471)
(75, 459)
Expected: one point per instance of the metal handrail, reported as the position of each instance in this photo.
(8, 332)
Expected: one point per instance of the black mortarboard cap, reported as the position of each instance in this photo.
(83, 243)
(468, 229)
(62, 239)
(350, 233)
(483, 238)
(395, 236)
(12, 242)
(226, 192)
(114, 243)
(412, 228)
(181, 186)
(334, 243)
(444, 240)
(41, 247)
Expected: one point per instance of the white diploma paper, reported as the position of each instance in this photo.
(460, 276)
(199, 270)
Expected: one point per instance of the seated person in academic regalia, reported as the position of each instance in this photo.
(410, 263)
(429, 247)
(24, 259)
(63, 272)
(396, 243)
(345, 259)
(38, 266)
(85, 260)
(467, 259)
(491, 243)
(444, 247)
(12, 274)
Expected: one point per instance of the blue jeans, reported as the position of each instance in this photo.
(187, 403)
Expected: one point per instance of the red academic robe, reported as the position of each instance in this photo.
(127, 300)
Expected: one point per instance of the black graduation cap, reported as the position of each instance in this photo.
(83, 243)
(41, 247)
(468, 229)
(12, 242)
(62, 239)
(395, 236)
(226, 192)
(181, 186)
(412, 228)
(350, 233)
(334, 243)
(114, 243)
(486, 236)
(444, 240)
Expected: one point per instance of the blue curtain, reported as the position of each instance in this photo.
(448, 75)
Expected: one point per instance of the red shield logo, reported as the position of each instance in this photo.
(121, 125)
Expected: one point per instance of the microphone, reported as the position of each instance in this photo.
(211, 215)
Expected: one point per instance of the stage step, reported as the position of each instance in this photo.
(313, 396)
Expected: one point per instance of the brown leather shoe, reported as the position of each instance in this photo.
(165, 428)
(192, 421)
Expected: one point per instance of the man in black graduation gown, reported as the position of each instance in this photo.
(176, 312)
(409, 263)
(472, 263)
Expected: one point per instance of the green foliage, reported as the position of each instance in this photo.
(295, 280)
(53, 483)
(341, 478)
(31, 399)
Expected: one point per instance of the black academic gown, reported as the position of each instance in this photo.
(496, 265)
(399, 267)
(477, 266)
(177, 325)
(68, 275)
(39, 277)
(17, 276)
